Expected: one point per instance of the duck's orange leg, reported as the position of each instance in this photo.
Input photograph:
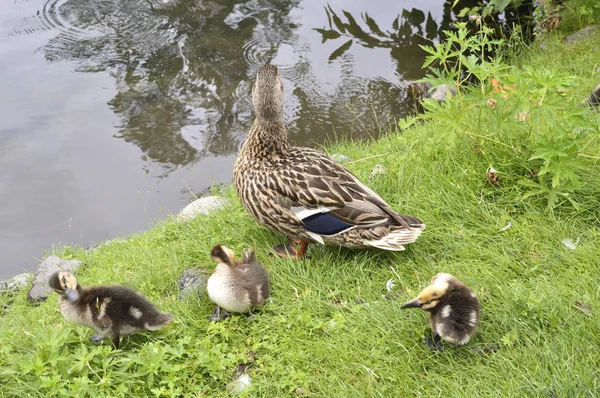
(290, 251)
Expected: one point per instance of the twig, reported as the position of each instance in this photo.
(395, 273)
(369, 157)
(491, 139)
(588, 156)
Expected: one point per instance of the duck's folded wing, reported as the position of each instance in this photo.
(327, 197)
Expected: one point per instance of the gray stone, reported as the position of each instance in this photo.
(204, 206)
(581, 34)
(39, 290)
(338, 157)
(16, 282)
(418, 90)
(440, 93)
(192, 281)
(543, 44)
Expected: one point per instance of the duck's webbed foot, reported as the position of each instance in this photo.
(97, 338)
(115, 338)
(435, 344)
(288, 250)
(218, 315)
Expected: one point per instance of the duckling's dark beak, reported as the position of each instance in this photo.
(411, 304)
(72, 295)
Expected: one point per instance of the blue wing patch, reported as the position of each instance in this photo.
(324, 224)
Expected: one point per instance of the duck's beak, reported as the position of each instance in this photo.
(72, 295)
(411, 304)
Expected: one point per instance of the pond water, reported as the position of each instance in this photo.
(116, 113)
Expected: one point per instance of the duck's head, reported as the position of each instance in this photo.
(221, 254)
(267, 94)
(431, 297)
(64, 283)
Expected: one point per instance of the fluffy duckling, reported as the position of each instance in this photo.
(236, 286)
(113, 311)
(453, 310)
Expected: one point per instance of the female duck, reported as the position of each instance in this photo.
(303, 194)
(113, 311)
(453, 310)
(236, 286)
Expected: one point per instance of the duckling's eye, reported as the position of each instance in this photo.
(428, 302)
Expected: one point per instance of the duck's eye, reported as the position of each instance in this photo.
(428, 302)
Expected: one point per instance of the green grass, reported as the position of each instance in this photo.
(328, 328)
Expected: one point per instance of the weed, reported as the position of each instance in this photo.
(522, 116)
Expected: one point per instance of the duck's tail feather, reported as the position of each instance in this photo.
(396, 239)
(413, 222)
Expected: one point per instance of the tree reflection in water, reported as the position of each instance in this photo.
(183, 69)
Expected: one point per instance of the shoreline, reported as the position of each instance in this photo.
(472, 169)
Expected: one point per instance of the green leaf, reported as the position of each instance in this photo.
(328, 34)
(328, 17)
(337, 21)
(406, 122)
(373, 25)
(340, 50)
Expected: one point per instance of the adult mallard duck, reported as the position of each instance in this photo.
(305, 195)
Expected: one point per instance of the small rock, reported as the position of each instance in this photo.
(338, 157)
(191, 282)
(300, 391)
(39, 290)
(581, 34)
(16, 282)
(440, 93)
(543, 44)
(204, 206)
(420, 90)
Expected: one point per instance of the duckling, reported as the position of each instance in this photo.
(236, 286)
(453, 310)
(112, 311)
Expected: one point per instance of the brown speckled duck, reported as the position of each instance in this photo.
(113, 311)
(453, 310)
(305, 195)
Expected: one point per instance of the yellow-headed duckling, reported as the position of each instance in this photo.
(453, 310)
(113, 311)
(236, 286)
